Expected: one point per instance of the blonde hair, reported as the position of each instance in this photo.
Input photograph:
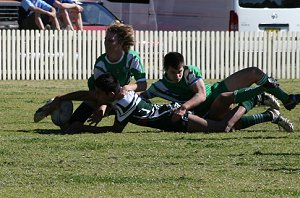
(124, 33)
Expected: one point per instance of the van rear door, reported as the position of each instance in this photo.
(271, 15)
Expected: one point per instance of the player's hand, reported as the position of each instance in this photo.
(178, 114)
(124, 90)
(96, 117)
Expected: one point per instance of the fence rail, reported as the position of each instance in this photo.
(47, 55)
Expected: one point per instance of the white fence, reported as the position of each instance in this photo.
(39, 55)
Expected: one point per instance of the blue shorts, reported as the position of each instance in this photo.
(50, 2)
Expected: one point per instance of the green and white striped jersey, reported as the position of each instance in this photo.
(178, 92)
(128, 66)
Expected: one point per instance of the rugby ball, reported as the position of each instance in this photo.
(63, 114)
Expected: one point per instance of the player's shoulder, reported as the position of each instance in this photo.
(162, 82)
(101, 58)
(101, 61)
(159, 81)
(193, 69)
(133, 54)
(191, 74)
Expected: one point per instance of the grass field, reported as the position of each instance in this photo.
(36, 161)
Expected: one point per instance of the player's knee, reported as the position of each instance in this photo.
(255, 72)
(226, 98)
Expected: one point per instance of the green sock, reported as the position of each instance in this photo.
(277, 92)
(247, 121)
(249, 104)
(244, 94)
(263, 80)
(280, 94)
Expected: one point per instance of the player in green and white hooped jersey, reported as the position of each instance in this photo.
(121, 62)
(185, 84)
(131, 108)
(118, 60)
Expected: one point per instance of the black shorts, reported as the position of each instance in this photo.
(166, 124)
(161, 119)
(28, 23)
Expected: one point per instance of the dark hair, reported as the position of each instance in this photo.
(107, 83)
(173, 59)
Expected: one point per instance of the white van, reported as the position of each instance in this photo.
(265, 15)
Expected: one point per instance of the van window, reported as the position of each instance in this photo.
(269, 3)
(95, 14)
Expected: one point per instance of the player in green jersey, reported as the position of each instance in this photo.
(131, 108)
(121, 62)
(184, 84)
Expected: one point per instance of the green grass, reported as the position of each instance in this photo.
(36, 161)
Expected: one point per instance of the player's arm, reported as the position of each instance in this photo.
(200, 95)
(75, 96)
(138, 71)
(149, 93)
(78, 96)
(137, 87)
(97, 115)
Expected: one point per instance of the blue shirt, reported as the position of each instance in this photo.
(26, 4)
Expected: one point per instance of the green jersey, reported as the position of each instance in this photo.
(128, 66)
(178, 92)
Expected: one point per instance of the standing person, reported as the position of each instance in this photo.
(131, 108)
(39, 12)
(118, 60)
(184, 84)
(63, 8)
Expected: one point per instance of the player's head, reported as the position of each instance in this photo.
(173, 60)
(119, 34)
(173, 66)
(106, 87)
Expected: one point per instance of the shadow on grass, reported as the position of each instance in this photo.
(233, 138)
(44, 131)
(96, 179)
(282, 169)
(259, 153)
(275, 154)
(59, 132)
